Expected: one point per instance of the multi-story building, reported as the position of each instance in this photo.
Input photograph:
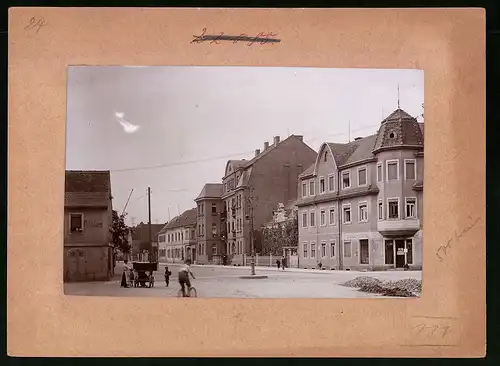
(88, 250)
(361, 202)
(140, 241)
(210, 228)
(179, 237)
(252, 189)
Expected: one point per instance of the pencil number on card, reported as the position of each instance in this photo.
(35, 24)
(431, 331)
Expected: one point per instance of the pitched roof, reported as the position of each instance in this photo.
(90, 188)
(141, 231)
(308, 171)
(407, 130)
(363, 150)
(187, 218)
(210, 190)
(238, 163)
(272, 147)
(341, 152)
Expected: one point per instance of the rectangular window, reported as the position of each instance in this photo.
(323, 250)
(410, 169)
(305, 250)
(346, 179)
(364, 251)
(380, 210)
(409, 251)
(332, 249)
(393, 208)
(313, 250)
(321, 185)
(214, 208)
(322, 217)
(304, 219)
(411, 208)
(331, 183)
(214, 249)
(312, 220)
(347, 249)
(214, 229)
(392, 170)
(76, 222)
(332, 216)
(311, 187)
(346, 213)
(363, 212)
(379, 173)
(304, 189)
(362, 176)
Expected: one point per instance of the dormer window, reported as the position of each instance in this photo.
(392, 135)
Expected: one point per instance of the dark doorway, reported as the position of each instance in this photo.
(364, 251)
(389, 252)
(400, 253)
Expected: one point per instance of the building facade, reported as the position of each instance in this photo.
(88, 249)
(140, 241)
(179, 236)
(211, 231)
(361, 203)
(252, 189)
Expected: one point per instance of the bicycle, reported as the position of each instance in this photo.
(191, 292)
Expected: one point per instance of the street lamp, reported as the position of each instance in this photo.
(249, 219)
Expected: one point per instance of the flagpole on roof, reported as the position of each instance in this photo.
(349, 124)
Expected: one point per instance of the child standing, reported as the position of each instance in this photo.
(167, 276)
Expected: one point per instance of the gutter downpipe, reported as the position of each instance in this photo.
(339, 215)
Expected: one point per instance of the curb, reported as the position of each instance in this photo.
(254, 277)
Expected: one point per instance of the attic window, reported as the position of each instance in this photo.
(326, 154)
(392, 135)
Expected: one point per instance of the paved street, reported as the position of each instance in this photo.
(215, 281)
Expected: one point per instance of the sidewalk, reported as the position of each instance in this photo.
(298, 270)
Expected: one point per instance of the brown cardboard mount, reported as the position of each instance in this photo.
(447, 321)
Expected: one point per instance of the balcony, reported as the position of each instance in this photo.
(402, 227)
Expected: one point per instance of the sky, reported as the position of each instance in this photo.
(174, 128)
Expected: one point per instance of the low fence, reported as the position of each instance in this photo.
(260, 260)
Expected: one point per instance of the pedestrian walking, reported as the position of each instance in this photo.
(125, 274)
(278, 263)
(283, 263)
(167, 276)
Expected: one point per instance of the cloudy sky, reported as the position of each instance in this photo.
(174, 128)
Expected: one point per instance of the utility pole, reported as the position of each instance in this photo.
(149, 220)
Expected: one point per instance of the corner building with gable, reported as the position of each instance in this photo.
(361, 203)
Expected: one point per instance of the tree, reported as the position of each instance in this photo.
(120, 231)
(280, 235)
(292, 230)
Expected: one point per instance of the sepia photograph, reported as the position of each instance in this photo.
(243, 182)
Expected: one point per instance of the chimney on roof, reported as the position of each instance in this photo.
(300, 137)
(266, 145)
(257, 152)
(357, 138)
(276, 140)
